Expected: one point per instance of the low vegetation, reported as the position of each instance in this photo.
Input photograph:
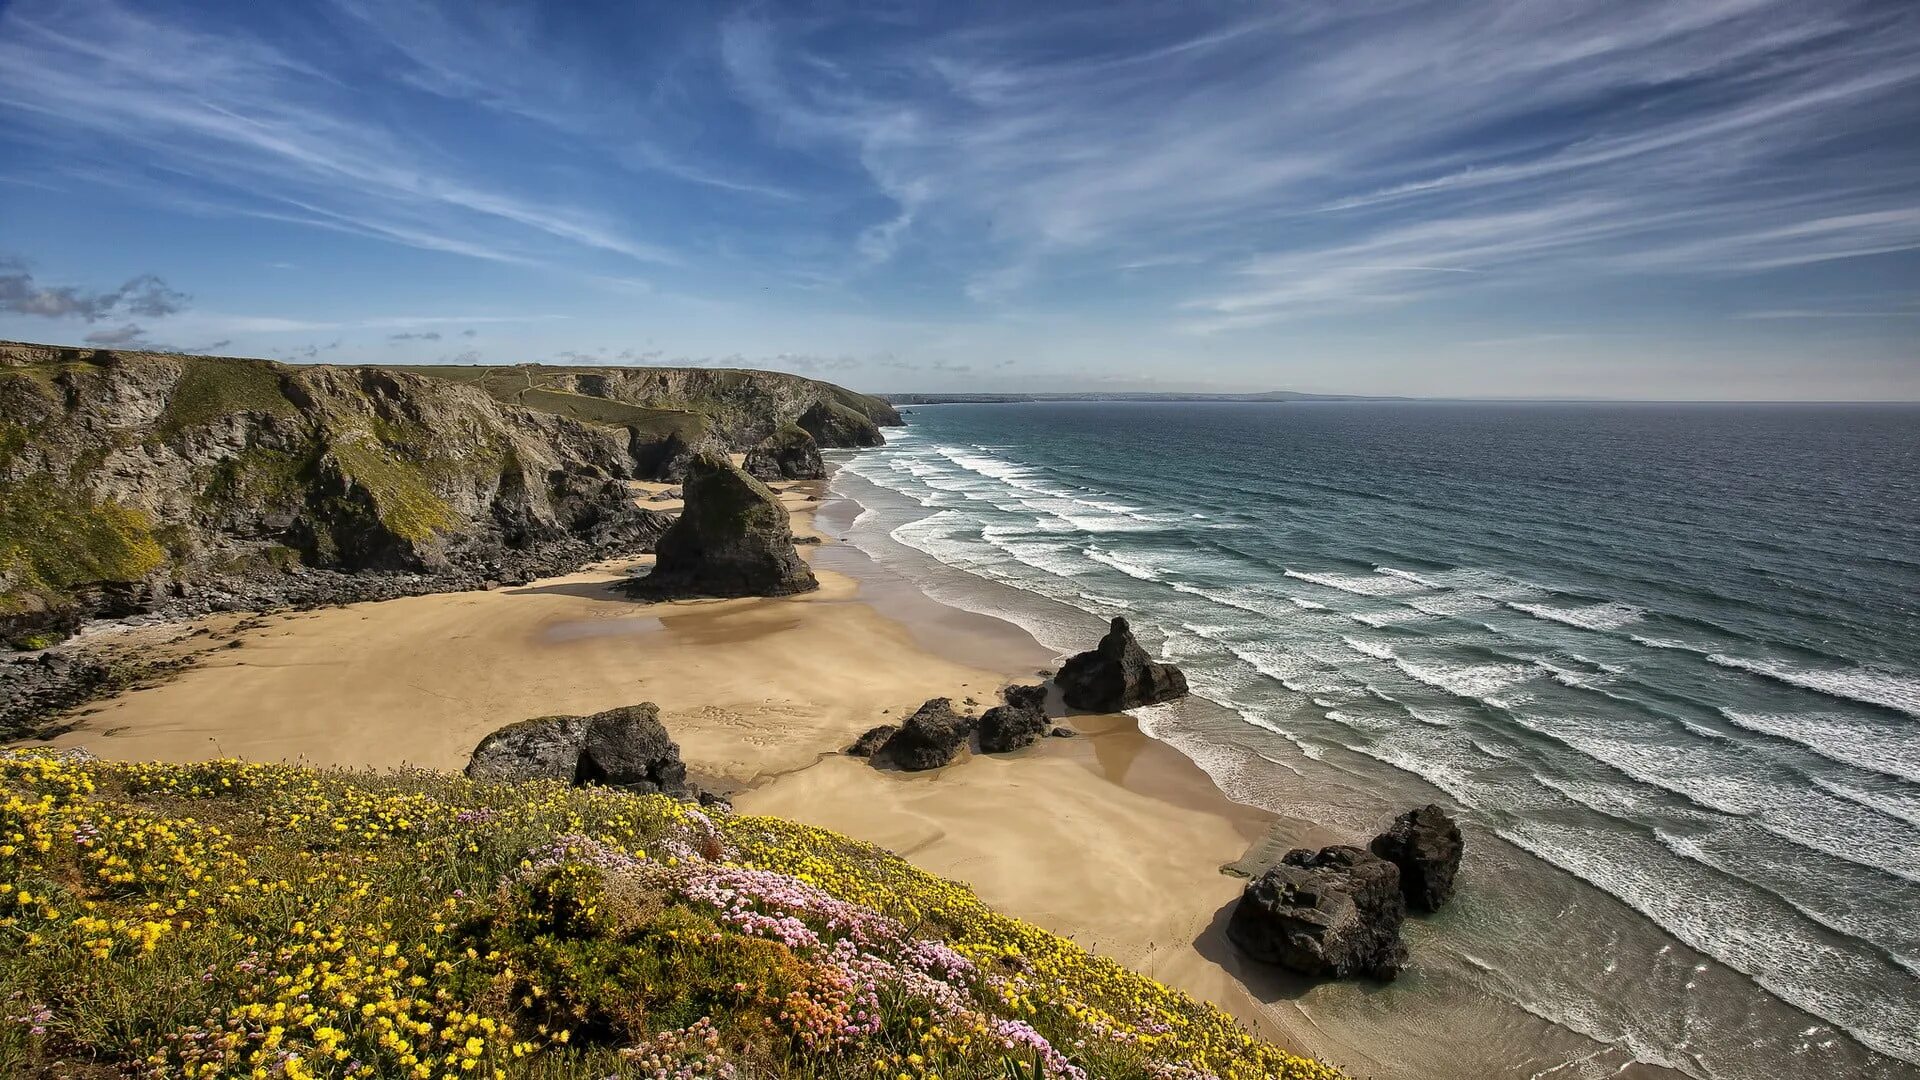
(230, 919)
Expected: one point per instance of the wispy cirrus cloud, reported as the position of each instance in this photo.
(263, 132)
(1279, 150)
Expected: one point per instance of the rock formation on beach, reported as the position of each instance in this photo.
(625, 748)
(1335, 912)
(933, 736)
(1117, 675)
(1426, 846)
(1020, 722)
(787, 454)
(733, 538)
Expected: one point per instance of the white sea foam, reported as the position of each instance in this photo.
(1358, 584)
(1902, 803)
(1849, 740)
(1375, 649)
(1607, 616)
(1131, 569)
(1481, 682)
(1306, 604)
(1884, 688)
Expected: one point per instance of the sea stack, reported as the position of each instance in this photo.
(1118, 674)
(1426, 845)
(787, 454)
(733, 538)
(1336, 912)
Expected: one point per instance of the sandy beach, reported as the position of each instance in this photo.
(1109, 837)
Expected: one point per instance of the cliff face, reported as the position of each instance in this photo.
(135, 481)
(674, 413)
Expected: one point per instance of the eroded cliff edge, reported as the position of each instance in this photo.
(134, 482)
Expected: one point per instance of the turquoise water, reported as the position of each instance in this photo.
(1664, 658)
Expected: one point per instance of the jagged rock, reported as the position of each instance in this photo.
(869, 743)
(627, 748)
(732, 539)
(1032, 697)
(1333, 912)
(1426, 845)
(1005, 728)
(930, 738)
(787, 454)
(1118, 675)
(668, 495)
(1022, 721)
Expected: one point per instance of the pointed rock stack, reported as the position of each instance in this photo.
(733, 538)
(1118, 675)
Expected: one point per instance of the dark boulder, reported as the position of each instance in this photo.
(1117, 675)
(870, 743)
(1022, 721)
(1426, 845)
(930, 738)
(787, 454)
(543, 748)
(733, 538)
(626, 748)
(1334, 912)
(1022, 696)
(1005, 728)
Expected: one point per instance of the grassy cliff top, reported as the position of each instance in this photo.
(231, 919)
(219, 381)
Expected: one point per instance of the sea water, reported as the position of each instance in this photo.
(1663, 659)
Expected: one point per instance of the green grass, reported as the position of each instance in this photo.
(230, 919)
(214, 387)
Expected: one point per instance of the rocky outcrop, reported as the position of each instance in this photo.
(1425, 845)
(787, 454)
(832, 423)
(733, 538)
(1117, 675)
(933, 736)
(625, 748)
(144, 482)
(1021, 721)
(1336, 912)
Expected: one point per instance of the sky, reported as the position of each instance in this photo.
(1605, 198)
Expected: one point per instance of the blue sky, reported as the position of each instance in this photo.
(1718, 198)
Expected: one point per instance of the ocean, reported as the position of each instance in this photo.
(1663, 659)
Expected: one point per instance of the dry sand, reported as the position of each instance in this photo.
(1110, 838)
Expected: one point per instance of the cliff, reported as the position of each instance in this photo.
(134, 482)
(673, 413)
